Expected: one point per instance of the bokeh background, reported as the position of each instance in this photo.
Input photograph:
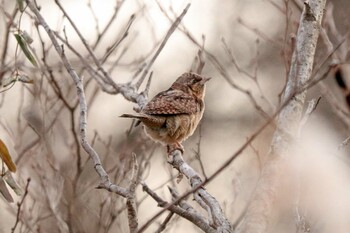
(259, 35)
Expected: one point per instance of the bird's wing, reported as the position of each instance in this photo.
(172, 102)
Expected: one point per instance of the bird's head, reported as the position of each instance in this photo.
(193, 82)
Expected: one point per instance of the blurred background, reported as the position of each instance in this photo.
(246, 48)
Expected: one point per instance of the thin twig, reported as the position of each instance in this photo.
(161, 46)
(94, 58)
(165, 223)
(108, 25)
(104, 178)
(344, 143)
(120, 40)
(221, 68)
(19, 205)
(197, 152)
(310, 109)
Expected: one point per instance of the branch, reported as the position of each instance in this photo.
(104, 178)
(260, 208)
(191, 216)
(165, 223)
(220, 223)
(88, 48)
(129, 92)
(219, 220)
(19, 205)
(231, 158)
(218, 171)
(130, 200)
(219, 66)
(166, 38)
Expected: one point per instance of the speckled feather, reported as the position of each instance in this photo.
(172, 102)
(173, 115)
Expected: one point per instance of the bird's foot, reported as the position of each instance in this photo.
(176, 146)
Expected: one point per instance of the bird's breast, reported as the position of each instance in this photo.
(176, 128)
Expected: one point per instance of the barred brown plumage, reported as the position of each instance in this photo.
(173, 115)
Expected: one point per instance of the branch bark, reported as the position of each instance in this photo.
(189, 213)
(216, 218)
(131, 199)
(104, 181)
(258, 213)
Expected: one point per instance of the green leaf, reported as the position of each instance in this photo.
(20, 5)
(4, 191)
(23, 44)
(12, 183)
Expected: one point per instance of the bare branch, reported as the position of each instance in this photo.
(220, 67)
(105, 181)
(120, 40)
(161, 46)
(130, 200)
(165, 223)
(19, 205)
(191, 216)
(310, 109)
(260, 208)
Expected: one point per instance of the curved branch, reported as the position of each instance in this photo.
(104, 178)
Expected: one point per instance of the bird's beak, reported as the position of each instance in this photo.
(204, 80)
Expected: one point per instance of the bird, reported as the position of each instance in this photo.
(172, 115)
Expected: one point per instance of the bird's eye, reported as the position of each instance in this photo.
(193, 81)
(196, 80)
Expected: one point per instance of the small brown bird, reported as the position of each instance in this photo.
(173, 115)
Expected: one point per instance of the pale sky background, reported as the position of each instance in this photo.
(229, 119)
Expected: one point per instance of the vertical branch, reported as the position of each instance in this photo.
(131, 199)
(259, 210)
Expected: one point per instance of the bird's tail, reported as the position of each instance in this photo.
(130, 116)
(134, 117)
